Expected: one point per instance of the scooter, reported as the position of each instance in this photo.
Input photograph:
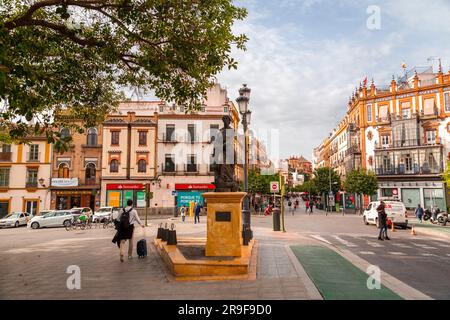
(441, 218)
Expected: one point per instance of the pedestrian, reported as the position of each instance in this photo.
(183, 212)
(125, 229)
(290, 204)
(419, 212)
(197, 210)
(306, 205)
(382, 221)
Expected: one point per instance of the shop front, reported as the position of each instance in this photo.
(67, 194)
(118, 194)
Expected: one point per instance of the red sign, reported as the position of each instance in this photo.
(194, 186)
(134, 186)
(394, 192)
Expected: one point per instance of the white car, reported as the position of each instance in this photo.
(15, 219)
(395, 210)
(105, 213)
(58, 218)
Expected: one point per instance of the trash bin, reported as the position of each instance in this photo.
(276, 219)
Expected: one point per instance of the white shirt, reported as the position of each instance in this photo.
(134, 217)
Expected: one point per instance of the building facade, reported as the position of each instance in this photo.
(76, 173)
(402, 133)
(25, 176)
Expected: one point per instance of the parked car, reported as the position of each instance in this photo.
(105, 213)
(15, 219)
(58, 218)
(395, 210)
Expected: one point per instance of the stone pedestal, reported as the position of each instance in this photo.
(224, 224)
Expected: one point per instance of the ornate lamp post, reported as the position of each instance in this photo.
(242, 100)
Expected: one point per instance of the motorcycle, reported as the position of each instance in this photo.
(439, 217)
(427, 215)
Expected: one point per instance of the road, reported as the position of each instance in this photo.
(34, 262)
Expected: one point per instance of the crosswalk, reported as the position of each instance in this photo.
(365, 245)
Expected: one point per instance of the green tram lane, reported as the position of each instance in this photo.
(336, 278)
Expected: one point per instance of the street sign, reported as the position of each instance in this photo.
(274, 186)
(174, 193)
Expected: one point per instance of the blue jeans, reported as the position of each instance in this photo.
(196, 218)
(383, 232)
(420, 217)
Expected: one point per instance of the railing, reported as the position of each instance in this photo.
(188, 169)
(402, 170)
(90, 182)
(172, 138)
(353, 150)
(429, 115)
(31, 184)
(385, 119)
(5, 156)
(407, 143)
(33, 156)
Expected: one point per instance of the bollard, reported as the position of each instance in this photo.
(165, 233)
(392, 226)
(172, 237)
(160, 232)
(413, 231)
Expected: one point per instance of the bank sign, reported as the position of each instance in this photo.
(186, 197)
(64, 182)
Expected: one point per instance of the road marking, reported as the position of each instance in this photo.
(317, 237)
(367, 252)
(429, 248)
(428, 255)
(420, 245)
(374, 244)
(397, 253)
(344, 242)
(448, 254)
(401, 245)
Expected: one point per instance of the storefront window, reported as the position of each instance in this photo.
(434, 198)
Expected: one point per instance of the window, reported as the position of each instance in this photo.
(63, 170)
(406, 110)
(383, 114)
(4, 177)
(92, 137)
(32, 177)
(191, 132)
(408, 163)
(431, 136)
(170, 130)
(429, 107)
(114, 166)
(369, 112)
(142, 165)
(142, 138)
(385, 141)
(65, 133)
(5, 148)
(213, 132)
(169, 164)
(90, 173)
(447, 101)
(191, 163)
(34, 153)
(115, 138)
(161, 109)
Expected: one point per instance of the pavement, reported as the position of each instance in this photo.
(34, 263)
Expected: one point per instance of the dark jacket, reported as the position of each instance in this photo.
(419, 212)
(382, 216)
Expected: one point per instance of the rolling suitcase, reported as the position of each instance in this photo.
(142, 248)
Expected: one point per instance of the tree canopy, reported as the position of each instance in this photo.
(260, 183)
(322, 180)
(80, 54)
(358, 181)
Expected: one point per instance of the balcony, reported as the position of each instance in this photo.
(426, 116)
(187, 169)
(31, 184)
(356, 149)
(98, 146)
(171, 138)
(407, 143)
(5, 156)
(33, 156)
(414, 170)
(383, 120)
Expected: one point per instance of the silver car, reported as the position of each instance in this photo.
(15, 219)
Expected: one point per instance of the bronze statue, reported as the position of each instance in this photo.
(224, 177)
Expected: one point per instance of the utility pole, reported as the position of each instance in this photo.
(282, 202)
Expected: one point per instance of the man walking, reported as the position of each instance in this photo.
(197, 210)
(183, 212)
(419, 213)
(382, 221)
(306, 206)
(125, 229)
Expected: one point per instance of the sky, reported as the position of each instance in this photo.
(304, 59)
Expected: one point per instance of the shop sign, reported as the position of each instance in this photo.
(64, 182)
(194, 186)
(132, 186)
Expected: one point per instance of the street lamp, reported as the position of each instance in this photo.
(242, 100)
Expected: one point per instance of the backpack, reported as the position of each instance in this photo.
(289, 203)
(124, 222)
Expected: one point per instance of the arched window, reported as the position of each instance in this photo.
(90, 173)
(63, 170)
(92, 137)
(114, 166)
(142, 165)
(65, 133)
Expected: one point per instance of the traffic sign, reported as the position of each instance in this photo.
(274, 186)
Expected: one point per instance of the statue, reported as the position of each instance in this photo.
(224, 177)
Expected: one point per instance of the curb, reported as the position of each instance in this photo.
(430, 232)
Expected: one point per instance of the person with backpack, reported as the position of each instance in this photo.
(125, 229)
